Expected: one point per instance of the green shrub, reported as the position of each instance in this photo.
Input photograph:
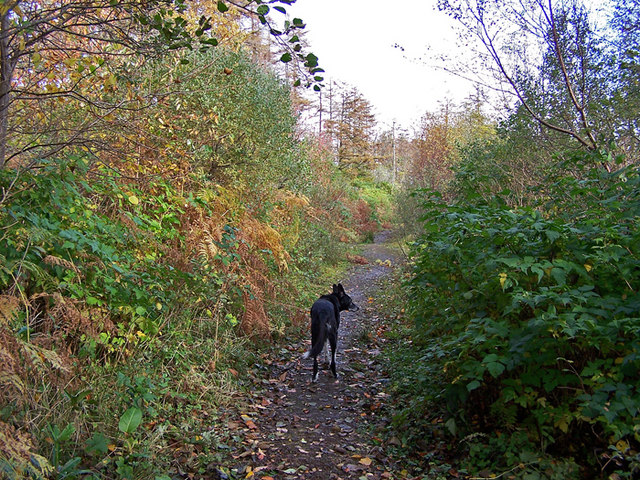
(539, 310)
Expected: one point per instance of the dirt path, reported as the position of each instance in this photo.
(321, 431)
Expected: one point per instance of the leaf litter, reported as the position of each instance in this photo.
(293, 429)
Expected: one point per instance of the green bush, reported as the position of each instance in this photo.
(92, 240)
(536, 313)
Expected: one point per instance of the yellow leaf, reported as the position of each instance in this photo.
(563, 425)
(111, 81)
(158, 306)
(112, 448)
(587, 267)
(134, 200)
(365, 461)
(503, 279)
(36, 58)
(622, 446)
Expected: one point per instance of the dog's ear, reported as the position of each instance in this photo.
(341, 288)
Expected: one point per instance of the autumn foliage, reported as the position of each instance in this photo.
(152, 201)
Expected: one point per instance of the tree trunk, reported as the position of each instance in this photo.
(6, 70)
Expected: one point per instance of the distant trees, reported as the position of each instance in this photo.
(351, 127)
(439, 139)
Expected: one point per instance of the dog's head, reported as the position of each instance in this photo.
(343, 299)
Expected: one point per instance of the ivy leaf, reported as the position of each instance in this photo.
(222, 7)
(262, 10)
(286, 57)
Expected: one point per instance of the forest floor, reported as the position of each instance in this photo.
(294, 429)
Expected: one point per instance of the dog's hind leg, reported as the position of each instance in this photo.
(334, 349)
(314, 379)
(327, 352)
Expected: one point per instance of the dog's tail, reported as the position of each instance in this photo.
(317, 347)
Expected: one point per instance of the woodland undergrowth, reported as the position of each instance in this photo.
(522, 358)
(137, 293)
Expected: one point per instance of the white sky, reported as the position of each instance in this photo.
(354, 41)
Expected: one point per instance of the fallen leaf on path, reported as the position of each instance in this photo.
(365, 461)
(248, 422)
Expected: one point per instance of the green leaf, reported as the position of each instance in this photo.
(92, 300)
(222, 7)
(130, 420)
(312, 60)
(286, 57)
(473, 385)
(495, 369)
(552, 235)
(492, 357)
(559, 275)
(66, 433)
(262, 10)
(451, 426)
(97, 445)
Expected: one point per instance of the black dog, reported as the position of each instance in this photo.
(325, 321)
